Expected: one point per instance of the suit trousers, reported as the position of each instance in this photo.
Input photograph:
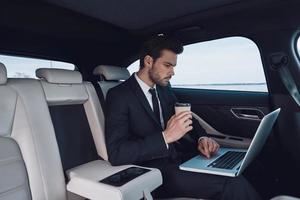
(180, 183)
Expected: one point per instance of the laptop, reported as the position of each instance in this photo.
(231, 161)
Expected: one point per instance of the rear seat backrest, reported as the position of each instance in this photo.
(110, 76)
(68, 96)
(80, 100)
(35, 135)
(14, 180)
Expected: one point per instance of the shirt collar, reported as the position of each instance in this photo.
(142, 84)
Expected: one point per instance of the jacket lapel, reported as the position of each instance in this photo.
(142, 99)
(163, 103)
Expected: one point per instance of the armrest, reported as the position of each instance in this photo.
(84, 181)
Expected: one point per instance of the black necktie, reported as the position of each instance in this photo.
(155, 104)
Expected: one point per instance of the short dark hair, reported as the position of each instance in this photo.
(154, 46)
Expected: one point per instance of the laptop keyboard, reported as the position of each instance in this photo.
(228, 160)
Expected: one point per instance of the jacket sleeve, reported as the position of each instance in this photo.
(123, 147)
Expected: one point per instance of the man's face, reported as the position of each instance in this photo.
(162, 68)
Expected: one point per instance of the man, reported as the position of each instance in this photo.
(142, 129)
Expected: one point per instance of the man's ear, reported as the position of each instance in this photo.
(148, 61)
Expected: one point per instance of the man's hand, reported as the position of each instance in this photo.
(178, 126)
(208, 146)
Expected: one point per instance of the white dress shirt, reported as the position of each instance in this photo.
(145, 88)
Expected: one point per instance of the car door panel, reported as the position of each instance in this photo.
(233, 113)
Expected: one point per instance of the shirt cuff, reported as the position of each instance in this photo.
(165, 140)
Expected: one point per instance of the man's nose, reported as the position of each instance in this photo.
(172, 71)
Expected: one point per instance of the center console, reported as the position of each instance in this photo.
(99, 180)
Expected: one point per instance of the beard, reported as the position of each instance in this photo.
(155, 78)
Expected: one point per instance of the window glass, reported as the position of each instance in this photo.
(225, 64)
(21, 67)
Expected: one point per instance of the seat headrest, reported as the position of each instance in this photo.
(112, 73)
(3, 74)
(52, 75)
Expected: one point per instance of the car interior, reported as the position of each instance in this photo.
(52, 133)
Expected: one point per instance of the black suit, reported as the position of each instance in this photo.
(134, 136)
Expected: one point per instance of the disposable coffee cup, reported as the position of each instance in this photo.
(181, 107)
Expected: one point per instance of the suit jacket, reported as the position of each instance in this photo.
(133, 134)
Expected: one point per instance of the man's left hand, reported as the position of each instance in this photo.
(208, 146)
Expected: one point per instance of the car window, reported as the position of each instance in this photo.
(232, 63)
(22, 67)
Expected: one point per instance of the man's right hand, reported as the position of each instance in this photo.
(178, 126)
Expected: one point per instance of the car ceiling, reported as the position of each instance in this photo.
(137, 14)
(92, 32)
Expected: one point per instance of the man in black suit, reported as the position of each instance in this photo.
(142, 129)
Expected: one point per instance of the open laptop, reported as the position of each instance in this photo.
(231, 161)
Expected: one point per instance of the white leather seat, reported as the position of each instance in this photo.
(65, 87)
(32, 130)
(14, 181)
(110, 76)
(66, 92)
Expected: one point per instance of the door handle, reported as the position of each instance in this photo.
(248, 116)
(247, 113)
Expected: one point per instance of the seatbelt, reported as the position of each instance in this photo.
(279, 61)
